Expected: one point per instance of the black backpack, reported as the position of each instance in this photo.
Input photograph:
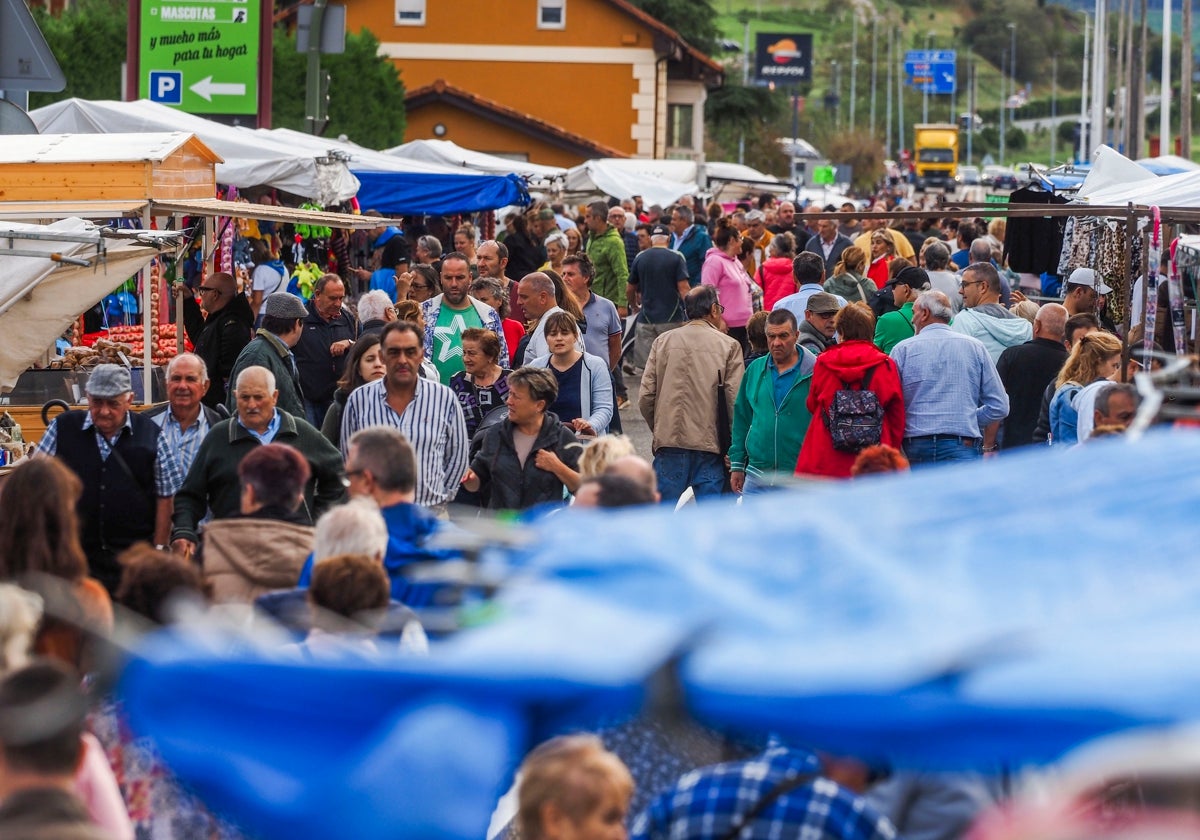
(855, 417)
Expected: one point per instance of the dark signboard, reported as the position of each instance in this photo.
(783, 58)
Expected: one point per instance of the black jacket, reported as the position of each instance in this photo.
(508, 485)
(1025, 370)
(320, 370)
(218, 340)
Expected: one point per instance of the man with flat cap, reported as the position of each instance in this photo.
(282, 326)
(817, 331)
(128, 470)
(893, 327)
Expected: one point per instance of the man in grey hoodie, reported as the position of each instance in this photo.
(983, 316)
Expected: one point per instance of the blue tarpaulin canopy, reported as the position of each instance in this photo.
(399, 193)
(958, 617)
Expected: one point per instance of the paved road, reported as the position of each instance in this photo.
(1047, 122)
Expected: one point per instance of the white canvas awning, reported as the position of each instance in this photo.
(40, 297)
(660, 182)
(448, 153)
(250, 160)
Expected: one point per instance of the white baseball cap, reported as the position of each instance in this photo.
(1088, 277)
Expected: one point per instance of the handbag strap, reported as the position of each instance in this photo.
(787, 784)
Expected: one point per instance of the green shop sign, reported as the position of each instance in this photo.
(200, 57)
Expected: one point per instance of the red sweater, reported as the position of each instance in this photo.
(878, 271)
(848, 363)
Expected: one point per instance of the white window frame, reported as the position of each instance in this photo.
(544, 5)
(410, 7)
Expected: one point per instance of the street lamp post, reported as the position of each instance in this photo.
(1012, 67)
(1053, 107)
(853, 66)
(925, 99)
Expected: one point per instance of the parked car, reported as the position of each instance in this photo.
(990, 173)
(1005, 181)
(968, 176)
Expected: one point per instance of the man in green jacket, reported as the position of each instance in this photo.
(212, 482)
(606, 250)
(271, 347)
(770, 415)
(894, 327)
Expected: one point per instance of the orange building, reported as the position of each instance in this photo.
(553, 81)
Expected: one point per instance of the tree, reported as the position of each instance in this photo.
(732, 112)
(694, 20)
(366, 96)
(88, 39)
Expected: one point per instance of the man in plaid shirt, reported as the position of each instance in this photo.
(710, 804)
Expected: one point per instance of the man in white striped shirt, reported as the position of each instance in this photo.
(425, 412)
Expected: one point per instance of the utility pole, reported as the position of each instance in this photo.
(900, 92)
(925, 98)
(1140, 75)
(1084, 129)
(874, 70)
(970, 107)
(1164, 109)
(1053, 107)
(888, 122)
(745, 83)
(853, 64)
(1003, 103)
(1185, 84)
(1121, 103)
(1099, 62)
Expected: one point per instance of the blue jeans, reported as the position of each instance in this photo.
(314, 412)
(927, 451)
(760, 485)
(679, 469)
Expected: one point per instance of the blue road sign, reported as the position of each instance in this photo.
(931, 71)
(166, 86)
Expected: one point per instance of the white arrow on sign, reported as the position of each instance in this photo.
(206, 88)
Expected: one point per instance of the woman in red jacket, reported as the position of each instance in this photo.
(883, 248)
(843, 366)
(775, 274)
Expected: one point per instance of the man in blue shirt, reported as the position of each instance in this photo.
(953, 397)
(782, 792)
(809, 270)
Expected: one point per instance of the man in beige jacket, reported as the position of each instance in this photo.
(688, 370)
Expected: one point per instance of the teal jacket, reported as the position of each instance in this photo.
(766, 440)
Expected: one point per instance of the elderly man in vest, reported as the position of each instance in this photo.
(129, 471)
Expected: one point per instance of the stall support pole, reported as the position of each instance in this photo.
(1130, 232)
(176, 221)
(147, 335)
(1147, 283)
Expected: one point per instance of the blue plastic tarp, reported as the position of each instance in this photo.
(1001, 611)
(399, 193)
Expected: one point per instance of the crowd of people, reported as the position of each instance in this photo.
(312, 453)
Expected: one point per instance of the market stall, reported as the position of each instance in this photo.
(139, 181)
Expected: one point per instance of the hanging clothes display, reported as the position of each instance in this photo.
(1100, 243)
(1033, 244)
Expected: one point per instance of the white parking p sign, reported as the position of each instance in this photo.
(166, 86)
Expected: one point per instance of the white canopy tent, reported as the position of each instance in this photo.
(1114, 175)
(1116, 180)
(448, 153)
(40, 296)
(250, 159)
(355, 157)
(660, 182)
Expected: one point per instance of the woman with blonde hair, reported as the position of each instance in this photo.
(598, 455)
(464, 242)
(572, 788)
(883, 249)
(848, 279)
(1096, 356)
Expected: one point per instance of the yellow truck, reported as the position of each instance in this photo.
(935, 162)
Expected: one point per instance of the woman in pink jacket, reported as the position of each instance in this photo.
(724, 271)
